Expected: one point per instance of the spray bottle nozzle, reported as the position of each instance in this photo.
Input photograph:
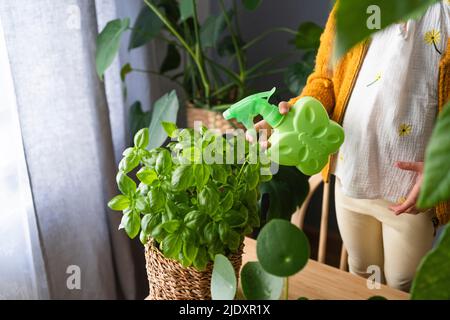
(258, 104)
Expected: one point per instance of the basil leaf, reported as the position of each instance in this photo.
(208, 200)
(119, 203)
(163, 162)
(147, 175)
(171, 245)
(201, 259)
(195, 220)
(156, 199)
(227, 202)
(234, 240)
(190, 251)
(236, 218)
(131, 222)
(182, 177)
(129, 162)
(171, 226)
(201, 174)
(126, 185)
(141, 138)
(224, 229)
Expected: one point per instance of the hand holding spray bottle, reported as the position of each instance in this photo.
(305, 137)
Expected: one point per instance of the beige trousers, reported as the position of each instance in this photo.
(374, 236)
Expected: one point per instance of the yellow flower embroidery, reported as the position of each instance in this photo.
(341, 157)
(402, 199)
(377, 78)
(433, 37)
(404, 129)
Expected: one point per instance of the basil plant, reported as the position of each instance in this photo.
(196, 198)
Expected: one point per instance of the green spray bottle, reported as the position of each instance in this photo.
(305, 137)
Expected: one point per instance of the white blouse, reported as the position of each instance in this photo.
(393, 107)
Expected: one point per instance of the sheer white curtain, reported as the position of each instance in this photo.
(61, 132)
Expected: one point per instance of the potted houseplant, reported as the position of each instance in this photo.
(208, 61)
(187, 208)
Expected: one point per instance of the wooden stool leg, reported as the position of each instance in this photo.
(324, 223)
(344, 256)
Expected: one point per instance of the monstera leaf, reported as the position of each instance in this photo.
(313, 138)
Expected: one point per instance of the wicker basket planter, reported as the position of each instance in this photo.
(210, 119)
(169, 280)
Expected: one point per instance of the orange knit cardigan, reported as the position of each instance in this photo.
(333, 86)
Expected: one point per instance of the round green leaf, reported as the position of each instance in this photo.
(282, 248)
(436, 185)
(108, 44)
(433, 275)
(257, 284)
(119, 203)
(223, 280)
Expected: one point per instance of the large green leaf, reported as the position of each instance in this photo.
(212, 30)
(172, 60)
(308, 36)
(187, 9)
(138, 119)
(251, 4)
(257, 284)
(284, 192)
(108, 44)
(436, 183)
(147, 27)
(352, 19)
(296, 75)
(432, 281)
(165, 109)
(223, 280)
(282, 248)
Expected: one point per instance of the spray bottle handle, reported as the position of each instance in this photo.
(258, 104)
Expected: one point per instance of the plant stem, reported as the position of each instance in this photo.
(199, 51)
(235, 9)
(265, 34)
(286, 289)
(238, 50)
(175, 33)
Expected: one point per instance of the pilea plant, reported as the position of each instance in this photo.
(282, 249)
(196, 198)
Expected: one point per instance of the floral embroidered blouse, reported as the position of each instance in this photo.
(393, 107)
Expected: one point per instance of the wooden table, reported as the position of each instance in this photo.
(319, 281)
